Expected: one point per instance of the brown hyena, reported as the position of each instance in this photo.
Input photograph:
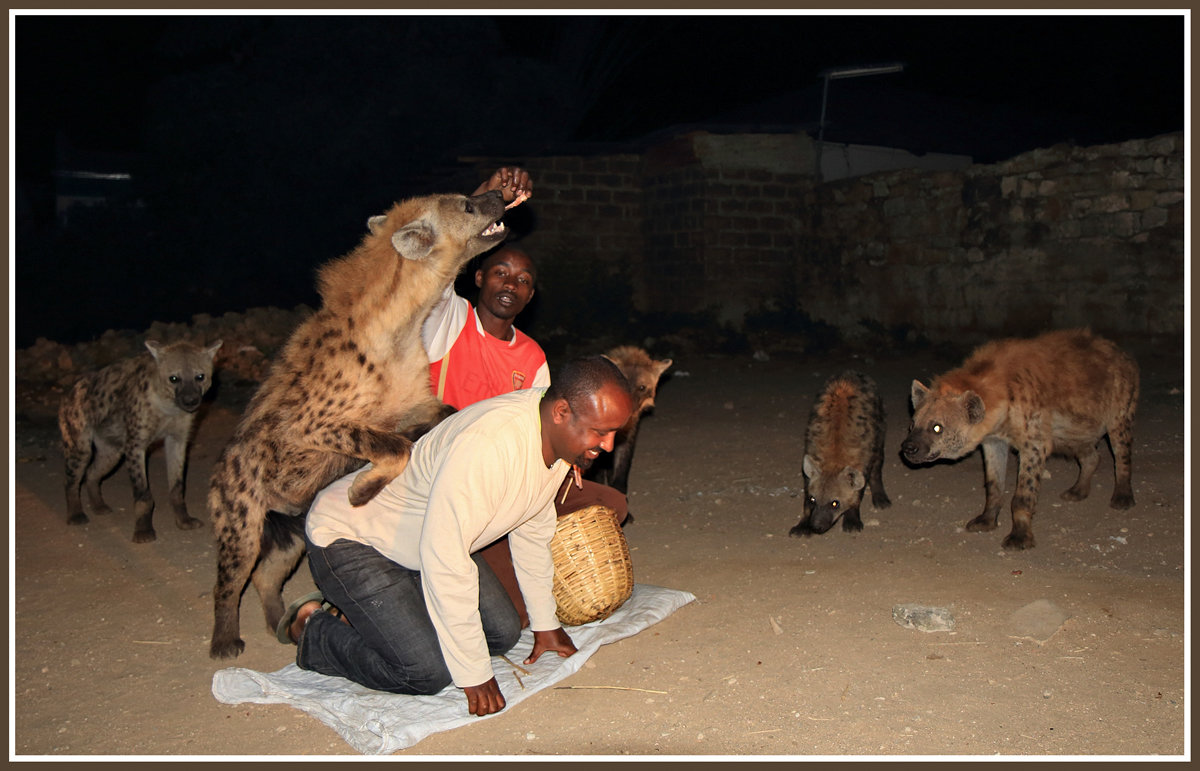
(1060, 392)
(351, 385)
(124, 409)
(843, 454)
(643, 373)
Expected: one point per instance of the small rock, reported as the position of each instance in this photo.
(1038, 620)
(923, 618)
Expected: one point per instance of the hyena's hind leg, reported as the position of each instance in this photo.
(1120, 439)
(282, 550)
(105, 458)
(77, 451)
(1089, 460)
(238, 525)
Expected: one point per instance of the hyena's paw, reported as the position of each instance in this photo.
(144, 536)
(982, 524)
(851, 524)
(1015, 541)
(880, 501)
(226, 649)
(1121, 501)
(802, 529)
(187, 523)
(1074, 494)
(366, 486)
(78, 518)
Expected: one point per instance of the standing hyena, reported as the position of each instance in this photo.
(122, 410)
(843, 454)
(351, 385)
(643, 373)
(1061, 392)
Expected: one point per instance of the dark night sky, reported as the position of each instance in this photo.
(236, 109)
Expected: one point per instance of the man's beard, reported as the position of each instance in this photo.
(584, 462)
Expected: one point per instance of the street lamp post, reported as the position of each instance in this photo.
(840, 73)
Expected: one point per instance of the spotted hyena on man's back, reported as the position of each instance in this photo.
(350, 386)
(843, 454)
(1060, 392)
(124, 409)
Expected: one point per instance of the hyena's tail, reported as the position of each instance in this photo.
(280, 531)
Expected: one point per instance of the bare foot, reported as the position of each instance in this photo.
(306, 610)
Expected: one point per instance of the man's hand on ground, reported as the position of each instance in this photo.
(484, 699)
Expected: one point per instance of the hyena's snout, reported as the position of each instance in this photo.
(823, 518)
(188, 396)
(916, 449)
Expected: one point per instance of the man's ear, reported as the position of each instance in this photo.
(479, 278)
(561, 412)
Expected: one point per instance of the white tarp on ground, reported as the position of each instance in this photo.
(381, 723)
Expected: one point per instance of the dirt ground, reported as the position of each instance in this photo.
(789, 650)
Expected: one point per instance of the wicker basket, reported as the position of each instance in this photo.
(593, 575)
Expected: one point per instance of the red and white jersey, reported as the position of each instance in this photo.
(475, 364)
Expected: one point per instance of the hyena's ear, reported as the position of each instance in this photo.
(211, 351)
(155, 348)
(660, 367)
(919, 392)
(415, 240)
(809, 467)
(975, 407)
(854, 478)
(375, 224)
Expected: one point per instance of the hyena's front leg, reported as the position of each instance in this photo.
(176, 452)
(1032, 462)
(879, 497)
(143, 500)
(995, 469)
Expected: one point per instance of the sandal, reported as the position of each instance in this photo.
(289, 615)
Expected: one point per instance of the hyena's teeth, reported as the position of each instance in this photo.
(495, 227)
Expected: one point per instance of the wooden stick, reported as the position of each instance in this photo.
(606, 687)
(515, 665)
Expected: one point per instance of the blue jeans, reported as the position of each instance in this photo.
(392, 645)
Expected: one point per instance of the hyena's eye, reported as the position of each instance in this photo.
(937, 428)
(470, 208)
(834, 504)
(200, 377)
(173, 379)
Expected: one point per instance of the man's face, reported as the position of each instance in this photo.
(505, 283)
(579, 436)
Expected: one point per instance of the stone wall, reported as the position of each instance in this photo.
(736, 224)
(1057, 237)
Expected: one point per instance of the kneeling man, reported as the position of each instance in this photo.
(422, 608)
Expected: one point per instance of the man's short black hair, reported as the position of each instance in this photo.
(579, 378)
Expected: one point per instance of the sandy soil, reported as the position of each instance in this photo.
(790, 648)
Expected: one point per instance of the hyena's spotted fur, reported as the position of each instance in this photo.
(351, 385)
(843, 454)
(124, 409)
(1060, 392)
(643, 373)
